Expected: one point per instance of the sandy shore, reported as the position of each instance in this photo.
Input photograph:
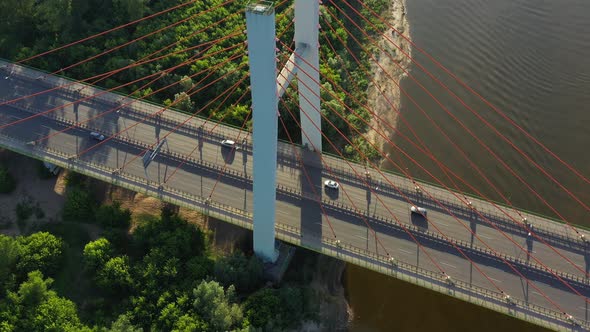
(384, 91)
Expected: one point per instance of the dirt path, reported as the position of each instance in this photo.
(388, 73)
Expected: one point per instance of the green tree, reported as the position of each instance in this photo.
(79, 206)
(34, 307)
(172, 235)
(96, 254)
(262, 307)
(113, 216)
(123, 324)
(53, 15)
(188, 322)
(131, 9)
(56, 314)
(183, 101)
(115, 277)
(216, 306)
(7, 182)
(10, 251)
(245, 273)
(34, 290)
(40, 251)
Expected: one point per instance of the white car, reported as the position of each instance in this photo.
(331, 184)
(228, 143)
(97, 136)
(419, 210)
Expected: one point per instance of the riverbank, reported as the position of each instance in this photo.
(384, 92)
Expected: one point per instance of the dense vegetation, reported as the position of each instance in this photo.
(30, 27)
(164, 276)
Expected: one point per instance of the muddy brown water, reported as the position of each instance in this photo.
(531, 59)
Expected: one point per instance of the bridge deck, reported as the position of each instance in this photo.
(302, 220)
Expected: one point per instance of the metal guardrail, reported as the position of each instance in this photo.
(464, 246)
(414, 274)
(329, 246)
(431, 236)
(172, 118)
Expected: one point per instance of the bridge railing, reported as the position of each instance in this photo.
(114, 98)
(428, 279)
(418, 232)
(330, 246)
(452, 244)
(404, 187)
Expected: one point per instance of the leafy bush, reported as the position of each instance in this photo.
(171, 234)
(24, 210)
(113, 216)
(79, 206)
(96, 254)
(40, 251)
(279, 309)
(115, 276)
(237, 269)
(261, 307)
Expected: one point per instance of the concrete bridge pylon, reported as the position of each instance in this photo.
(266, 88)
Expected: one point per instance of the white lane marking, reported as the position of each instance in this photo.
(449, 265)
(537, 293)
(486, 237)
(406, 251)
(361, 237)
(443, 224)
(494, 279)
(584, 308)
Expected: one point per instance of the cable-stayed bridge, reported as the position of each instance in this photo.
(472, 248)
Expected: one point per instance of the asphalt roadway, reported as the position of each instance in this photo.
(344, 213)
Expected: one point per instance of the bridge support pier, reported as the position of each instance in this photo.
(308, 76)
(260, 23)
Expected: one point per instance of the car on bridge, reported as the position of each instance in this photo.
(97, 136)
(418, 210)
(228, 143)
(331, 184)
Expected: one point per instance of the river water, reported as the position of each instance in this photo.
(529, 58)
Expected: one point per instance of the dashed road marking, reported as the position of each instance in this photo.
(449, 265)
(494, 279)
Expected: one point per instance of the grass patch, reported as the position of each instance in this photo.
(70, 280)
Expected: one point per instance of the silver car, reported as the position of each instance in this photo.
(419, 210)
(97, 136)
(331, 184)
(228, 143)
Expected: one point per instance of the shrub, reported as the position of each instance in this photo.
(79, 206)
(113, 216)
(24, 210)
